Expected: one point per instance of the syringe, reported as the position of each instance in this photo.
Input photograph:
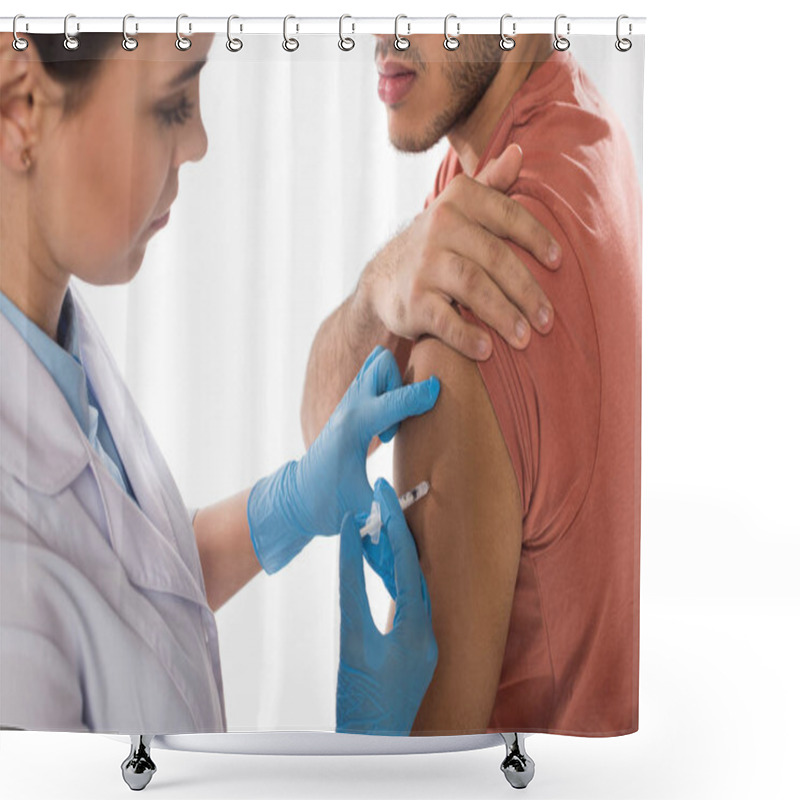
(372, 527)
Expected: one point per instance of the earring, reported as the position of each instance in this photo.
(26, 158)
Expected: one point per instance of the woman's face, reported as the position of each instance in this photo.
(107, 174)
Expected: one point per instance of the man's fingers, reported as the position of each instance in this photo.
(501, 172)
(512, 276)
(470, 285)
(509, 219)
(442, 321)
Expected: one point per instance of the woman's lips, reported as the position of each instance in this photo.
(160, 222)
(392, 88)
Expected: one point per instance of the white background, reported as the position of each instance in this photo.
(719, 614)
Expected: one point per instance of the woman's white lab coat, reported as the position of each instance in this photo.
(104, 623)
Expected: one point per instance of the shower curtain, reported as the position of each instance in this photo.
(304, 180)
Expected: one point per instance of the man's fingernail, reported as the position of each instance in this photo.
(521, 329)
(483, 347)
(544, 316)
(553, 252)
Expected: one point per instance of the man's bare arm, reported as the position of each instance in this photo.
(342, 344)
(468, 532)
(456, 249)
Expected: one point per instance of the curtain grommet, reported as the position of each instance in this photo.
(289, 44)
(451, 42)
(182, 43)
(18, 43)
(345, 42)
(234, 45)
(129, 43)
(507, 42)
(560, 42)
(71, 43)
(400, 42)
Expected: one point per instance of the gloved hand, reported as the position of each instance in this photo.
(383, 677)
(310, 497)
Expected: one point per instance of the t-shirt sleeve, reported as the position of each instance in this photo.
(547, 397)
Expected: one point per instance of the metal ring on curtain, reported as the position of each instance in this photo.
(128, 42)
(560, 42)
(506, 42)
(623, 45)
(182, 43)
(234, 45)
(345, 42)
(18, 44)
(290, 44)
(400, 42)
(451, 42)
(70, 42)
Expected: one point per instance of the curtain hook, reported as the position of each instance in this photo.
(623, 45)
(182, 43)
(70, 42)
(234, 45)
(560, 42)
(290, 44)
(345, 42)
(451, 42)
(128, 42)
(18, 44)
(400, 42)
(506, 42)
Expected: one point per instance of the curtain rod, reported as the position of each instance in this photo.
(512, 26)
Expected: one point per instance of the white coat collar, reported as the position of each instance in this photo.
(39, 445)
(44, 447)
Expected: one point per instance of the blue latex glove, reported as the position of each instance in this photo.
(310, 497)
(383, 677)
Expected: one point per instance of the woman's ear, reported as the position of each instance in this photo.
(21, 82)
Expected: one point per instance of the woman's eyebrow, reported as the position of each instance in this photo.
(188, 73)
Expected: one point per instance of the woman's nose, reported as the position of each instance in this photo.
(194, 145)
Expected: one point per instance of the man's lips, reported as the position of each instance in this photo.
(395, 80)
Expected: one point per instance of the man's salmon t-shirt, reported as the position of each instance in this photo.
(569, 409)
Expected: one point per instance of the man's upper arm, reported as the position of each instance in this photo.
(468, 532)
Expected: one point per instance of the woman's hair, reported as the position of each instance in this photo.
(76, 69)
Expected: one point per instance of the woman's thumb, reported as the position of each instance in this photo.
(501, 172)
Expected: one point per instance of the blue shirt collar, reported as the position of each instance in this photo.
(62, 359)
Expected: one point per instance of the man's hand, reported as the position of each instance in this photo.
(455, 250)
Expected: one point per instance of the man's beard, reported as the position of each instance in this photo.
(469, 75)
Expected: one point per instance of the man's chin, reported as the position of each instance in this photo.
(408, 142)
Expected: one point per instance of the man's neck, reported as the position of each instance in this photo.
(470, 137)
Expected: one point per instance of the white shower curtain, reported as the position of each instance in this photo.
(299, 187)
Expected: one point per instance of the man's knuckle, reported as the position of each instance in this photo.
(497, 252)
(471, 280)
(510, 212)
(460, 183)
(458, 266)
(530, 291)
